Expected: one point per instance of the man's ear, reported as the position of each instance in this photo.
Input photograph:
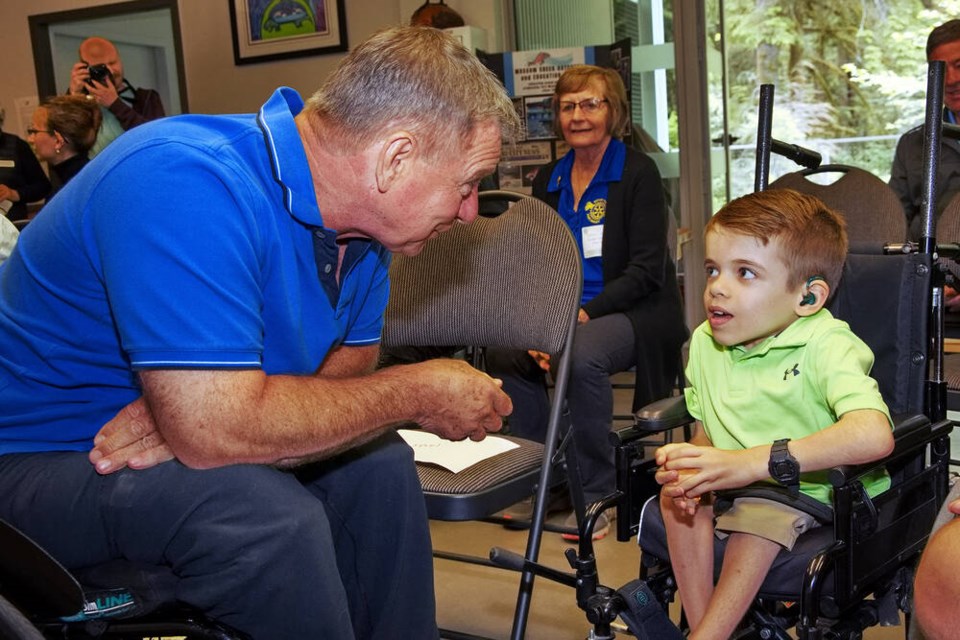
(394, 158)
(812, 297)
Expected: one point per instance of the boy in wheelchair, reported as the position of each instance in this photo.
(781, 391)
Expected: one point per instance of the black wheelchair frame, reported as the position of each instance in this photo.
(859, 570)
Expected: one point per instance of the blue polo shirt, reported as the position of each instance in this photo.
(587, 221)
(188, 243)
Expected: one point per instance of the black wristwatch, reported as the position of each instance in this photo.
(783, 467)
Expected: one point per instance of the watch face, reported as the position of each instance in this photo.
(784, 470)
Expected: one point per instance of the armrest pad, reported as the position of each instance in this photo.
(776, 493)
(662, 415)
(911, 433)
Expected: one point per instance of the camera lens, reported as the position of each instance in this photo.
(98, 73)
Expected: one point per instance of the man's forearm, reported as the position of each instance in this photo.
(215, 418)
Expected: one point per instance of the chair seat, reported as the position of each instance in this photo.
(484, 488)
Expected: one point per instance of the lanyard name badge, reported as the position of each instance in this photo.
(592, 238)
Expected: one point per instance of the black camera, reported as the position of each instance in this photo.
(99, 73)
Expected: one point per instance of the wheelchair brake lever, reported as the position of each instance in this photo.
(864, 526)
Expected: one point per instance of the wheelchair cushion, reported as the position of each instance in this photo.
(783, 582)
(125, 589)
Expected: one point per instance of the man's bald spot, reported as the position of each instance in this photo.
(97, 47)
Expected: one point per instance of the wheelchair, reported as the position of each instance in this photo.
(40, 599)
(855, 571)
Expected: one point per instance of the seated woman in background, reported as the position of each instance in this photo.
(22, 179)
(612, 198)
(62, 131)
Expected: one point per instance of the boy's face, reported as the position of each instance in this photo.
(746, 297)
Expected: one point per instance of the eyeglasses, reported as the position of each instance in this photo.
(588, 106)
(32, 132)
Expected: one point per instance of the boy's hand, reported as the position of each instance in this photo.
(683, 502)
(689, 471)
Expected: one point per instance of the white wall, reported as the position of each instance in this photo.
(214, 83)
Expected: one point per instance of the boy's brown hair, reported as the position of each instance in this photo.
(812, 236)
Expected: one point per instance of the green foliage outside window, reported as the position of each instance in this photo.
(850, 76)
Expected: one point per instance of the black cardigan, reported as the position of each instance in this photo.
(640, 278)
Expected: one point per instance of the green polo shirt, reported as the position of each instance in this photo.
(791, 385)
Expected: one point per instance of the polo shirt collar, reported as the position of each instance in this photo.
(610, 170)
(291, 170)
(796, 335)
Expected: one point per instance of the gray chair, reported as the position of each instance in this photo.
(868, 204)
(948, 222)
(513, 282)
(948, 231)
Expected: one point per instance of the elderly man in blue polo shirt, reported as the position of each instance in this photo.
(190, 332)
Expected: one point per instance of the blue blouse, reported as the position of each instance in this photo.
(586, 221)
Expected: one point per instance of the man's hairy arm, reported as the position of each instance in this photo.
(210, 418)
(344, 362)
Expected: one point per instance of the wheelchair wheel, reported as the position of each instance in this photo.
(13, 625)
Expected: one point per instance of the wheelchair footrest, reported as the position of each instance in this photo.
(644, 616)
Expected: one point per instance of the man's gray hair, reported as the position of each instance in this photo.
(417, 78)
(949, 31)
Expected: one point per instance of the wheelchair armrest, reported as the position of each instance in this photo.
(911, 433)
(775, 493)
(662, 415)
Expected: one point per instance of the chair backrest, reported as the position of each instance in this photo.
(948, 223)
(885, 300)
(513, 282)
(871, 208)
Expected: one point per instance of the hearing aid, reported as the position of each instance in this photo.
(808, 297)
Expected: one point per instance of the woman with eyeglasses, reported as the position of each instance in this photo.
(612, 198)
(22, 179)
(62, 130)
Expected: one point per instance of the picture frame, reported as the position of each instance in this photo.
(266, 30)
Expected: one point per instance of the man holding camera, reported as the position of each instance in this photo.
(99, 74)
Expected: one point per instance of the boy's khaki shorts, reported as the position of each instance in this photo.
(765, 518)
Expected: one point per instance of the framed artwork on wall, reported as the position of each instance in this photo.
(265, 30)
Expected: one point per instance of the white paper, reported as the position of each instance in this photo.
(454, 456)
(593, 241)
